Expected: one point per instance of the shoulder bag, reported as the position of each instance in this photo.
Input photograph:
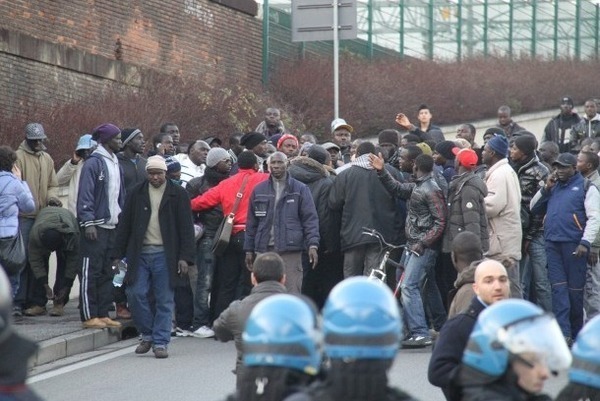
(223, 234)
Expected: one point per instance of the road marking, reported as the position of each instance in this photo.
(79, 365)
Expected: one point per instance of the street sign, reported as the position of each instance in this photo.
(313, 20)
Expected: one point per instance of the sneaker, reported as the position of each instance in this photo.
(109, 322)
(57, 310)
(143, 347)
(35, 311)
(179, 332)
(17, 311)
(434, 334)
(94, 323)
(204, 332)
(417, 342)
(160, 352)
(123, 312)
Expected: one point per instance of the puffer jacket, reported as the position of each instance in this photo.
(37, 168)
(466, 210)
(532, 175)
(426, 218)
(586, 128)
(316, 177)
(15, 198)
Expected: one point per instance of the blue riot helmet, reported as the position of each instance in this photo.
(513, 327)
(282, 331)
(361, 320)
(586, 355)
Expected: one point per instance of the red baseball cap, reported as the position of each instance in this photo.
(466, 157)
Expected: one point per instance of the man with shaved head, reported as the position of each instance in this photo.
(491, 285)
(282, 218)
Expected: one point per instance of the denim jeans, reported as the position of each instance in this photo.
(567, 277)
(416, 269)
(205, 261)
(152, 275)
(534, 274)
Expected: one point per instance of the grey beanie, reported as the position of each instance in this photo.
(215, 155)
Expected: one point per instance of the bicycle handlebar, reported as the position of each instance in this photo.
(374, 233)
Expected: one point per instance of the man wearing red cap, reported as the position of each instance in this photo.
(99, 203)
(466, 211)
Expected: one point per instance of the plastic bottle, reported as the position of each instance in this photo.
(120, 274)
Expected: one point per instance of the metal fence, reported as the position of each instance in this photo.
(449, 30)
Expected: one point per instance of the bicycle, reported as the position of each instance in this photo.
(386, 248)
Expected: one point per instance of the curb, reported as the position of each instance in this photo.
(84, 340)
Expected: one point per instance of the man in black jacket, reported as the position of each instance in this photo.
(312, 172)
(364, 202)
(534, 273)
(558, 128)
(491, 285)
(218, 167)
(156, 235)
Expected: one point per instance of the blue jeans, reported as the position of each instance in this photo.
(153, 323)
(567, 277)
(205, 261)
(534, 274)
(416, 269)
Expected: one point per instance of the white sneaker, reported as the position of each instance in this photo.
(204, 332)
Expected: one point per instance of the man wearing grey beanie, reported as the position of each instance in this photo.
(215, 155)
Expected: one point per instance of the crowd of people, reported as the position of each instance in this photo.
(510, 218)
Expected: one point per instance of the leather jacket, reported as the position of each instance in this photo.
(532, 175)
(426, 218)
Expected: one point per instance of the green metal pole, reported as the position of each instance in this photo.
(265, 43)
(370, 29)
(511, 17)
(578, 30)
(597, 30)
(401, 41)
(485, 29)
(533, 27)
(555, 30)
(459, 32)
(430, 31)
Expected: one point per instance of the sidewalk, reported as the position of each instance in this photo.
(63, 336)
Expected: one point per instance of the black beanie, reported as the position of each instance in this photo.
(319, 154)
(526, 144)
(444, 148)
(251, 139)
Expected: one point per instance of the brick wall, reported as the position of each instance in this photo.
(56, 50)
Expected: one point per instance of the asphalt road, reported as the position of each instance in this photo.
(197, 369)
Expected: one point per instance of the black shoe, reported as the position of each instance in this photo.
(417, 342)
(143, 347)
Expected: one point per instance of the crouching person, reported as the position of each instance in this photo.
(156, 235)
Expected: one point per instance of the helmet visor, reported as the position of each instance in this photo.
(540, 335)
